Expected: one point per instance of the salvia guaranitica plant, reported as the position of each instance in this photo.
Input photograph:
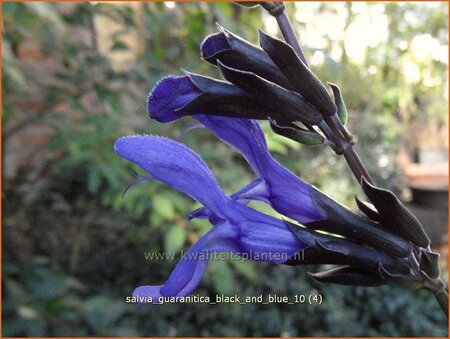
(384, 244)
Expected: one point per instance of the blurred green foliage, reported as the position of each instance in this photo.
(74, 248)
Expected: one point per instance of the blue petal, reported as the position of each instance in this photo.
(143, 292)
(256, 190)
(189, 271)
(199, 213)
(170, 94)
(264, 238)
(184, 278)
(253, 234)
(287, 193)
(237, 228)
(214, 44)
(250, 239)
(175, 165)
(244, 135)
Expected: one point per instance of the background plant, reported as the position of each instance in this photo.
(73, 247)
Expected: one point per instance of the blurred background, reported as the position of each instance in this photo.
(76, 76)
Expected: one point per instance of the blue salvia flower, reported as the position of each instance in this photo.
(276, 185)
(237, 228)
(240, 230)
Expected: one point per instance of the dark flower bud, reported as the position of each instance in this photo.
(408, 281)
(395, 215)
(275, 8)
(346, 275)
(238, 53)
(333, 250)
(342, 221)
(284, 104)
(297, 134)
(304, 81)
(362, 257)
(429, 263)
(193, 94)
(367, 209)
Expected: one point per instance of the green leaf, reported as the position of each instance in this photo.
(9, 10)
(163, 207)
(46, 284)
(119, 46)
(246, 268)
(12, 70)
(222, 277)
(116, 104)
(275, 145)
(174, 239)
(94, 179)
(339, 101)
(47, 12)
(96, 316)
(103, 93)
(296, 134)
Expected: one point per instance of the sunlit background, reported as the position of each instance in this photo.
(76, 76)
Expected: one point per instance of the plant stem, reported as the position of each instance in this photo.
(277, 10)
(340, 135)
(437, 287)
(356, 165)
(442, 299)
(289, 35)
(345, 143)
(342, 128)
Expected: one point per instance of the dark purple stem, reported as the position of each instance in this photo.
(336, 131)
(345, 143)
(442, 299)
